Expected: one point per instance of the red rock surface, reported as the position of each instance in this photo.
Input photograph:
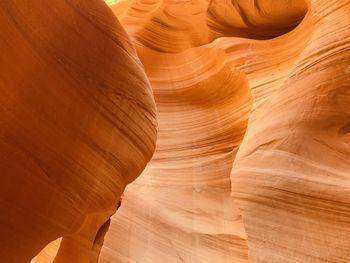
(77, 123)
(251, 162)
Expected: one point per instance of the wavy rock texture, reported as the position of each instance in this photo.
(290, 176)
(183, 196)
(252, 156)
(77, 124)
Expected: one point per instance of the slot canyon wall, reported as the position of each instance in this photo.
(78, 123)
(228, 120)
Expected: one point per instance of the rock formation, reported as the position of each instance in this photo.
(77, 124)
(251, 162)
(291, 175)
(290, 204)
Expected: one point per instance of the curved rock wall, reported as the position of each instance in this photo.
(251, 159)
(77, 123)
(291, 175)
(285, 179)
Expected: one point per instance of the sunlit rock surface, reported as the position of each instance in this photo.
(77, 120)
(252, 158)
(290, 176)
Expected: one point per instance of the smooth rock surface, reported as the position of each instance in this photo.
(77, 124)
(253, 150)
(289, 178)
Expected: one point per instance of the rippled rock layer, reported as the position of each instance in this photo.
(289, 179)
(252, 111)
(78, 124)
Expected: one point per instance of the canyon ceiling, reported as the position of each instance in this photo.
(169, 131)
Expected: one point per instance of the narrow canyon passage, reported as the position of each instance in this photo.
(222, 127)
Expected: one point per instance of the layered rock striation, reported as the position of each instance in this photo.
(251, 159)
(78, 124)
